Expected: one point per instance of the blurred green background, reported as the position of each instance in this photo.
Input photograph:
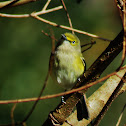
(25, 52)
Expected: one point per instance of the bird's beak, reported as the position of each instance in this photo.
(63, 37)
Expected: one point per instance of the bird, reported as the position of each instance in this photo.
(68, 66)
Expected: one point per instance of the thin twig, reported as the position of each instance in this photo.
(64, 6)
(53, 42)
(124, 38)
(12, 114)
(68, 28)
(124, 81)
(52, 37)
(46, 5)
(49, 10)
(91, 44)
(124, 42)
(37, 100)
(119, 4)
(120, 117)
(28, 15)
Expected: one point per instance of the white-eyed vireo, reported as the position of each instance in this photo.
(68, 65)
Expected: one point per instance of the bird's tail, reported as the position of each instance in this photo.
(82, 110)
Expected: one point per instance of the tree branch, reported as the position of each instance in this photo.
(29, 15)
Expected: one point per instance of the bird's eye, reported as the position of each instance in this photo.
(73, 42)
